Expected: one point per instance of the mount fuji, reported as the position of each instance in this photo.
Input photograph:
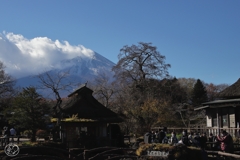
(25, 59)
(79, 69)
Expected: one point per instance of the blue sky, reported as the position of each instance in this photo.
(200, 38)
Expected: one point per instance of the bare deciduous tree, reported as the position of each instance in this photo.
(6, 82)
(7, 90)
(139, 62)
(187, 84)
(188, 115)
(221, 87)
(56, 82)
(137, 65)
(103, 89)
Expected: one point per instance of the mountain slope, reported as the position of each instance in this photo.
(80, 70)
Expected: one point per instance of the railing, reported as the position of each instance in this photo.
(211, 144)
(219, 154)
(235, 132)
(127, 137)
(5, 140)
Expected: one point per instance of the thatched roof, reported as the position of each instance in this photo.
(232, 91)
(85, 106)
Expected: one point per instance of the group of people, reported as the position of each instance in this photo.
(223, 142)
(9, 131)
(161, 137)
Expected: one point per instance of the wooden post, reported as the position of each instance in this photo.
(86, 155)
(218, 127)
(1, 142)
(18, 139)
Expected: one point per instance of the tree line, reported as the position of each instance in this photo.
(142, 92)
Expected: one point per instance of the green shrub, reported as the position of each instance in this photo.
(27, 133)
(29, 143)
(46, 144)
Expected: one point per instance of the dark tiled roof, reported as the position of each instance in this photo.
(223, 101)
(232, 91)
(220, 103)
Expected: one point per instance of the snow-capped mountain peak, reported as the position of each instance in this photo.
(79, 69)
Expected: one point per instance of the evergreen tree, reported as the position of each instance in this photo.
(29, 111)
(199, 94)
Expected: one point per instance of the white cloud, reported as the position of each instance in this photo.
(23, 56)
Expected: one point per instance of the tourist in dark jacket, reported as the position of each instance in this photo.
(153, 136)
(196, 139)
(184, 138)
(213, 139)
(203, 141)
(161, 136)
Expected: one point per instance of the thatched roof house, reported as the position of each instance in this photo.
(86, 118)
(232, 91)
(82, 104)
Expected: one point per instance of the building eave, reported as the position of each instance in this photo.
(200, 108)
(223, 101)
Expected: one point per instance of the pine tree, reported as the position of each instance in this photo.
(199, 94)
(30, 111)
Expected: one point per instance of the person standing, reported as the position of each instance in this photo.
(214, 141)
(156, 137)
(6, 131)
(226, 142)
(12, 133)
(165, 140)
(153, 136)
(6, 134)
(196, 140)
(161, 136)
(184, 138)
(173, 139)
(203, 141)
(190, 138)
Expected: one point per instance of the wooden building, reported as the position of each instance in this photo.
(87, 122)
(224, 113)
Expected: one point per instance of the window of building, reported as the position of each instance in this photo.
(214, 119)
(225, 117)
